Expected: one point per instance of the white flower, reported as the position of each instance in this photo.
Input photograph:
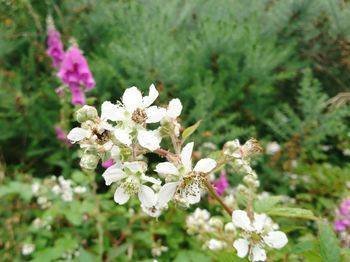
(215, 245)
(272, 148)
(131, 179)
(154, 203)
(35, 188)
(256, 235)
(197, 222)
(80, 189)
(27, 249)
(172, 112)
(190, 180)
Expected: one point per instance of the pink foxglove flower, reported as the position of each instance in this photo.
(54, 44)
(75, 72)
(221, 184)
(61, 135)
(343, 222)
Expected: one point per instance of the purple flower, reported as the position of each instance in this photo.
(54, 46)
(107, 163)
(343, 222)
(221, 184)
(61, 135)
(74, 72)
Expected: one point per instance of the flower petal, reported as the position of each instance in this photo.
(113, 174)
(154, 114)
(166, 193)
(241, 220)
(257, 254)
(166, 168)
(136, 166)
(205, 165)
(148, 139)
(174, 108)
(192, 193)
(77, 134)
(150, 179)
(152, 96)
(186, 155)
(242, 247)
(260, 221)
(132, 99)
(147, 196)
(112, 112)
(120, 197)
(123, 136)
(276, 239)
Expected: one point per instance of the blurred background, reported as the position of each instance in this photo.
(271, 69)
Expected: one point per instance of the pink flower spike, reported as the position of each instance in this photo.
(221, 184)
(54, 44)
(75, 70)
(107, 163)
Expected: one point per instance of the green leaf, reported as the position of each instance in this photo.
(329, 246)
(266, 204)
(230, 256)
(117, 252)
(304, 247)
(189, 130)
(86, 256)
(191, 256)
(292, 212)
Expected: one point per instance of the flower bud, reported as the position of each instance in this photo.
(89, 161)
(216, 223)
(230, 228)
(86, 113)
(232, 149)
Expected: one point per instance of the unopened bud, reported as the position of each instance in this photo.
(216, 223)
(89, 161)
(86, 113)
(230, 228)
(233, 149)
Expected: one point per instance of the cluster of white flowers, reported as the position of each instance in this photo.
(58, 186)
(158, 249)
(122, 134)
(27, 249)
(70, 255)
(210, 230)
(40, 223)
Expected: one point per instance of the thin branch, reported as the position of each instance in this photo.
(213, 193)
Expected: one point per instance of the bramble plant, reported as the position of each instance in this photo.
(122, 134)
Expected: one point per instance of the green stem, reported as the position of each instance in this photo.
(99, 225)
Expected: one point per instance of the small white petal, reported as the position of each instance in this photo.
(276, 239)
(132, 99)
(113, 174)
(258, 254)
(166, 168)
(77, 134)
(148, 139)
(241, 220)
(174, 108)
(166, 193)
(186, 155)
(205, 165)
(192, 193)
(242, 247)
(136, 166)
(154, 114)
(120, 197)
(152, 96)
(112, 112)
(147, 196)
(150, 179)
(259, 221)
(123, 136)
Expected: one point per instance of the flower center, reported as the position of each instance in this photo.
(103, 137)
(131, 187)
(139, 116)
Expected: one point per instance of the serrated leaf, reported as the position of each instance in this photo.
(329, 246)
(226, 257)
(189, 130)
(292, 213)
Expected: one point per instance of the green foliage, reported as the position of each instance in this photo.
(238, 67)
